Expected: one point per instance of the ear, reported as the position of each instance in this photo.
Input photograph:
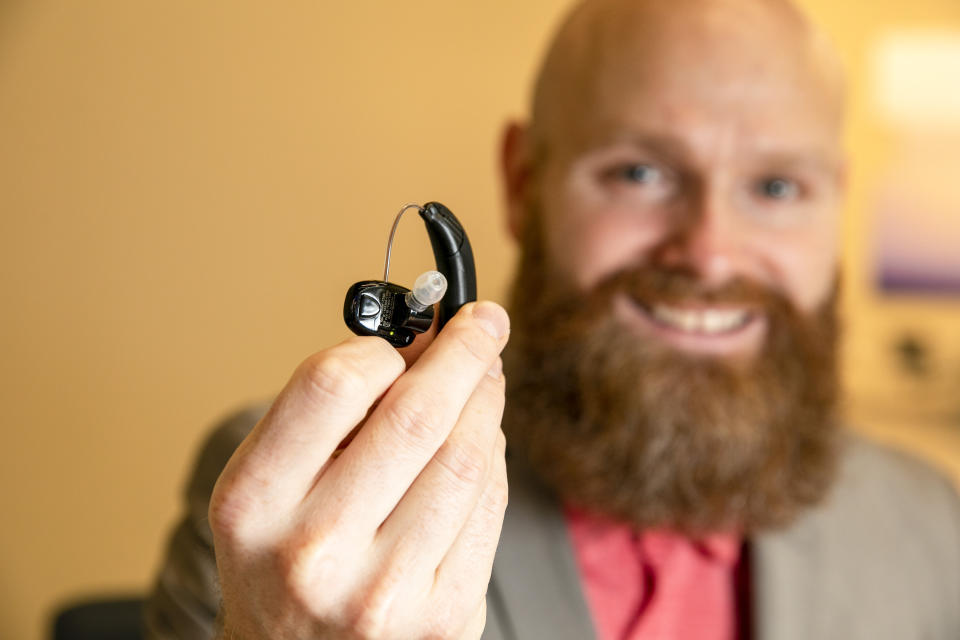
(515, 172)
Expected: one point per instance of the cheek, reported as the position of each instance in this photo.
(591, 245)
(803, 265)
(588, 239)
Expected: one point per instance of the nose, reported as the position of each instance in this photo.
(702, 239)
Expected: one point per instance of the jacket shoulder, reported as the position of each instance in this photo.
(185, 597)
(217, 448)
(890, 537)
(882, 485)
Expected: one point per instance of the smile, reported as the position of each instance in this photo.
(697, 328)
(704, 321)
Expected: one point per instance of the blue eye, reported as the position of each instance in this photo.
(640, 173)
(778, 188)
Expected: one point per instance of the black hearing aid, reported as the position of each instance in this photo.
(395, 313)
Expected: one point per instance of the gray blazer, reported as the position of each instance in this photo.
(879, 560)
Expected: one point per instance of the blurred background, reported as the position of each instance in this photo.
(187, 189)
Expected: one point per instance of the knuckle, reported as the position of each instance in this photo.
(498, 384)
(454, 622)
(366, 626)
(492, 392)
(443, 628)
(493, 384)
(369, 615)
(482, 614)
(477, 624)
(500, 444)
(292, 559)
(304, 558)
(496, 496)
(414, 423)
(492, 395)
(464, 461)
(227, 514)
(448, 618)
(329, 376)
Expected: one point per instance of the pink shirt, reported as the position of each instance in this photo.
(658, 585)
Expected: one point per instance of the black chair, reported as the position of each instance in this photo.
(100, 619)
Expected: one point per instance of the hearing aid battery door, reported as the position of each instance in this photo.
(374, 308)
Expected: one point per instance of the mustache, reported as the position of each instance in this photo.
(654, 285)
(647, 286)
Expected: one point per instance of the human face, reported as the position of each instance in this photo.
(727, 169)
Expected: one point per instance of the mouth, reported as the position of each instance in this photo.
(700, 328)
(705, 321)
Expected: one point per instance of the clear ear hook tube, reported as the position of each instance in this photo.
(393, 232)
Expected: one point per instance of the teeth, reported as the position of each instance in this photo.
(707, 321)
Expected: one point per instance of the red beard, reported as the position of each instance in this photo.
(636, 430)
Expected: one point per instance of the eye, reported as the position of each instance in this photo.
(640, 173)
(778, 188)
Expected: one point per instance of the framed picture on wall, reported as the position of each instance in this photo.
(916, 91)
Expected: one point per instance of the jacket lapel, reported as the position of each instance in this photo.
(535, 580)
(783, 585)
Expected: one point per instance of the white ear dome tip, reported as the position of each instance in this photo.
(429, 287)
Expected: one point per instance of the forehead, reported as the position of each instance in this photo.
(757, 86)
(682, 118)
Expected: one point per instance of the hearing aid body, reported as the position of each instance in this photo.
(397, 314)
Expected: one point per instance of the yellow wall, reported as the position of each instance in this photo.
(183, 191)
(920, 415)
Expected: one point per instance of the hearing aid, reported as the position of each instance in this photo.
(397, 314)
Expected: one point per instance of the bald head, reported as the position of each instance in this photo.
(723, 54)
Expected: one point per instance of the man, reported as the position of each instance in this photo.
(675, 466)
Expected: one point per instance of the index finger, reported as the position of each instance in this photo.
(326, 397)
(416, 415)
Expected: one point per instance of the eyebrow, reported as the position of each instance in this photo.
(671, 148)
(659, 144)
(815, 161)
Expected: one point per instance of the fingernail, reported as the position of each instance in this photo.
(496, 369)
(492, 318)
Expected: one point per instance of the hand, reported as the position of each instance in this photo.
(395, 536)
